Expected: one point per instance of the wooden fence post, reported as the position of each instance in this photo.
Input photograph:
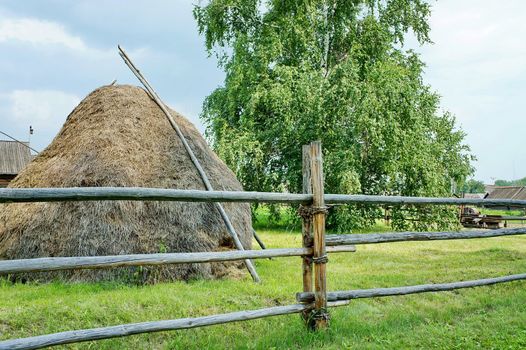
(306, 228)
(319, 315)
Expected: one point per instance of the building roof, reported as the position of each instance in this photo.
(14, 156)
(474, 195)
(522, 194)
(507, 192)
(489, 188)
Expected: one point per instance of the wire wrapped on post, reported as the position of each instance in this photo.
(308, 211)
(314, 315)
(319, 260)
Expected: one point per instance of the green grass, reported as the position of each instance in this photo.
(285, 220)
(483, 318)
(486, 211)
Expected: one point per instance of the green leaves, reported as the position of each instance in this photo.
(334, 71)
(473, 186)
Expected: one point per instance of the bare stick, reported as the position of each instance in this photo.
(110, 261)
(77, 336)
(260, 242)
(124, 330)
(28, 195)
(423, 288)
(371, 238)
(21, 195)
(369, 199)
(258, 239)
(194, 159)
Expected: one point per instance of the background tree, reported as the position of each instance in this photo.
(473, 186)
(519, 182)
(335, 71)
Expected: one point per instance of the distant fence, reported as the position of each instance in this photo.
(314, 301)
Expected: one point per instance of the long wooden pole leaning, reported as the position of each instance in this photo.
(258, 239)
(320, 314)
(192, 156)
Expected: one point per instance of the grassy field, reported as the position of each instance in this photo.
(483, 318)
(487, 211)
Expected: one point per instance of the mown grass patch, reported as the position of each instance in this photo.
(481, 318)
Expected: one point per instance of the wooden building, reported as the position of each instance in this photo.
(507, 192)
(14, 156)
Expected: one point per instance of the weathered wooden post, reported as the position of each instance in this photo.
(306, 228)
(314, 236)
(319, 210)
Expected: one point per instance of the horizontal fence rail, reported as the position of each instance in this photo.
(335, 243)
(99, 262)
(145, 327)
(372, 199)
(423, 288)
(507, 218)
(83, 335)
(21, 195)
(371, 238)
(24, 195)
(315, 243)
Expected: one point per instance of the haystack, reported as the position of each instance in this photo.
(117, 136)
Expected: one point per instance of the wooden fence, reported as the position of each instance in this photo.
(313, 302)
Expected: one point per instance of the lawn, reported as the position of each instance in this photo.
(484, 318)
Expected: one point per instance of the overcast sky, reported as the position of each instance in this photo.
(54, 52)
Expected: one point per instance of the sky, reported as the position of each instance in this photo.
(55, 52)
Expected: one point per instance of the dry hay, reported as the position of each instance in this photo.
(117, 136)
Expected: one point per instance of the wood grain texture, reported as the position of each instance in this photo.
(100, 262)
(25, 195)
(258, 239)
(423, 288)
(77, 336)
(371, 238)
(82, 335)
(306, 223)
(318, 228)
(369, 199)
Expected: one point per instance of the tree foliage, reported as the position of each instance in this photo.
(519, 182)
(473, 186)
(335, 71)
